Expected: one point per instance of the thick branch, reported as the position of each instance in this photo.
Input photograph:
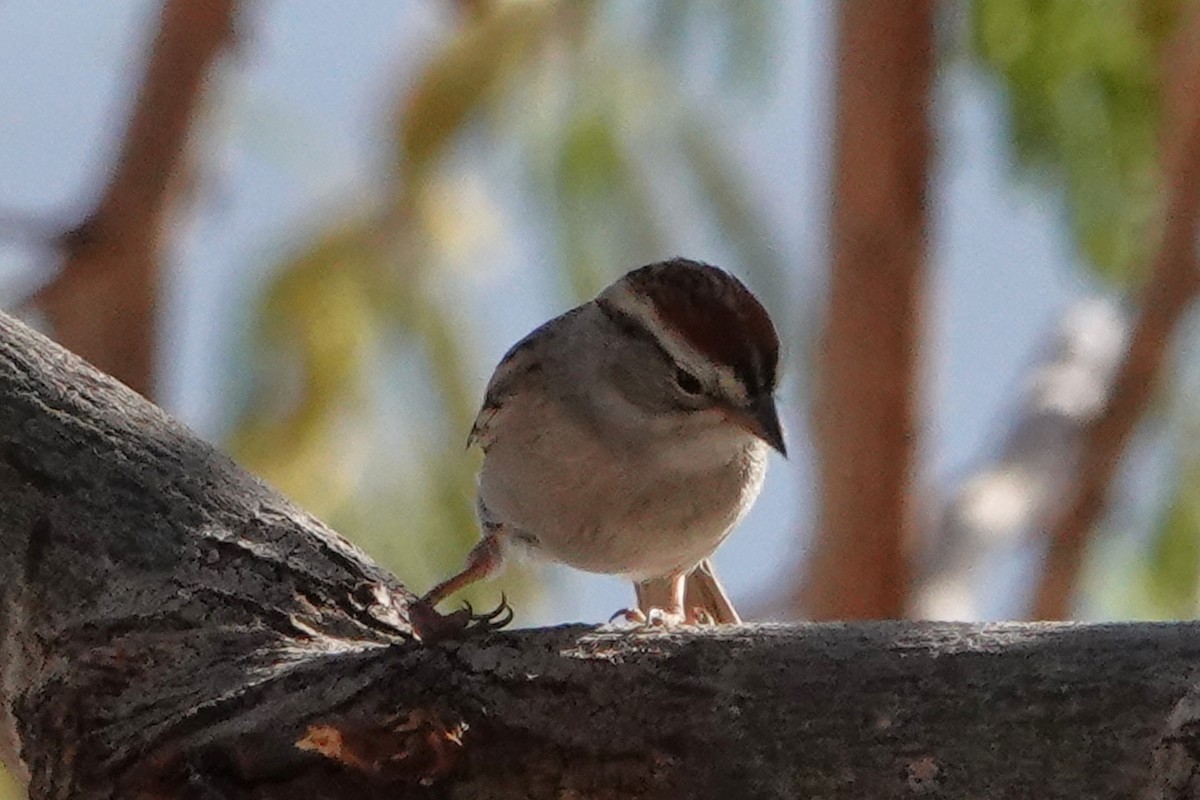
(143, 574)
(867, 395)
(172, 627)
(102, 303)
(1170, 289)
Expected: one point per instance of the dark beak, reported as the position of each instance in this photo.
(762, 420)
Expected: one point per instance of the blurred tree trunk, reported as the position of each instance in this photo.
(866, 405)
(102, 303)
(1168, 294)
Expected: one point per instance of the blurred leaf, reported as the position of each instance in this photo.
(1173, 561)
(669, 24)
(462, 77)
(742, 33)
(402, 300)
(10, 789)
(317, 329)
(1083, 94)
(607, 219)
(727, 198)
(750, 38)
(440, 334)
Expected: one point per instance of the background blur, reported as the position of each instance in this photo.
(311, 230)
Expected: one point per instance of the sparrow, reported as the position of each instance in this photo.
(627, 436)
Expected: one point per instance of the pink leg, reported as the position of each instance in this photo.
(660, 600)
(484, 559)
(705, 598)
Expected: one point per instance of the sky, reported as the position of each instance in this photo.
(295, 127)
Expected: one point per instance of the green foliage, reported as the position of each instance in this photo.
(9, 788)
(1169, 579)
(617, 159)
(468, 73)
(748, 29)
(1172, 566)
(1082, 81)
(598, 188)
(318, 331)
(371, 382)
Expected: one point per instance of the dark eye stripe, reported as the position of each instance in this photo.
(632, 327)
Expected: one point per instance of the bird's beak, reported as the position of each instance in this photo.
(761, 419)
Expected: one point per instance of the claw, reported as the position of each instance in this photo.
(498, 617)
(649, 620)
(632, 616)
(430, 625)
(662, 619)
(499, 611)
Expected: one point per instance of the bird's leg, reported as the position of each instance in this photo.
(660, 602)
(705, 599)
(485, 559)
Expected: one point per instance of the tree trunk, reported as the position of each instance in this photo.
(865, 415)
(103, 302)
(171, 627)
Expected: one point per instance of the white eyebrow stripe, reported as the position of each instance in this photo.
(643, 312)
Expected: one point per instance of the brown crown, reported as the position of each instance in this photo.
(716, 314)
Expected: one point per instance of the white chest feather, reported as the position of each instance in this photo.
(642, 512)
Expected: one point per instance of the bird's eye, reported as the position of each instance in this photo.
(687, 381)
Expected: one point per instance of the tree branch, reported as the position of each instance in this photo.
(1170, 289)
(102, 302)
(865, 416)
(170, 627)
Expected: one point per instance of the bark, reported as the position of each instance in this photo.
(171, 627)
(1168, 294)
(866, 418)
(102, 303)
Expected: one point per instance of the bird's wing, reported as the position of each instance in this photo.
(480, 434)
(523, 358)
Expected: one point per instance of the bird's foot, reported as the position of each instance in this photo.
(653, 618)
(627, 618)
(429, 624)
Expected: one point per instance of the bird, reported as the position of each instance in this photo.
(628, 436)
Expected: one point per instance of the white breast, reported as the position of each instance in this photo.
(641, 514)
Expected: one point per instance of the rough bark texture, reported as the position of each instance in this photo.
(866, 403)
(1170, 290)
(173, 628)
(102, 303)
